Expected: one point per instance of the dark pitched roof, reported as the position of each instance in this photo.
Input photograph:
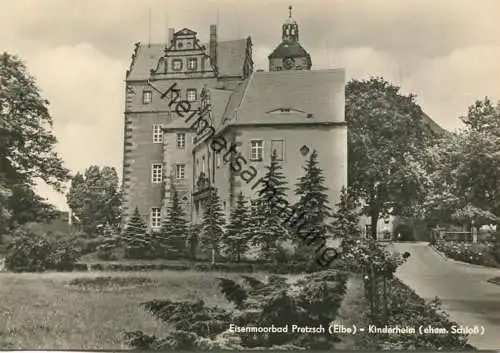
(281, 97)
(230, 58)
(144, 59)
(292, 50)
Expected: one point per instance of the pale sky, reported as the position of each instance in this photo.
(445, 51)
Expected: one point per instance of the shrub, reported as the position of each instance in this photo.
(27, 253)
(310, 302)
(63, 256)
(474, 253)
(32, 251)
(109, 282)
(408, 309)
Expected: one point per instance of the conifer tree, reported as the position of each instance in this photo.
(213, 224)
(236, 241)
(193, 239)
(274, 181)
(312, 205)
(174, 229)
(345, 223)
(266, 218)
(135, 237)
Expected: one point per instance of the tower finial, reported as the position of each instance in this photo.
(290, 11)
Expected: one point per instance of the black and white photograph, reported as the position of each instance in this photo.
(250, 175)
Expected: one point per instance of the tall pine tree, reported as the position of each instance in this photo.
(135, 236)
(274, 184)
(193, 239)
(312, 205)
(345, 223)
(236, 241)
(267, 222)
(174, 229)
(213, 224)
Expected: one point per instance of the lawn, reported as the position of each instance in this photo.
(43, 311)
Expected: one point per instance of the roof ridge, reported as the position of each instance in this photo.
(243, 97)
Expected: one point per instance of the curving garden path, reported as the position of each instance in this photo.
(462, 288)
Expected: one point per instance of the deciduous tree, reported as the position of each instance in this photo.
(26, 140)
(95, 198)
(27, 144)
(386, 138)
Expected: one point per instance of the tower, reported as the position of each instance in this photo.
(289, 55)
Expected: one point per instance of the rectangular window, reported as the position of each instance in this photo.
(181, 140)
(277, 145)
(192, 64)
(155, 218)
(156, 173)
(217, 161)
(203, 164)
(256, 150)
(147, 97)
(177, 64)
(192, 95)
(157, 133)
(180, 171)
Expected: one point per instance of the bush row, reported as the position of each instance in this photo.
(289, 268)
(473, 253)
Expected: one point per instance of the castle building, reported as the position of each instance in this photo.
(198, 117)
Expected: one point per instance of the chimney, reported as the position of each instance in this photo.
(212, 50)
(171, 32)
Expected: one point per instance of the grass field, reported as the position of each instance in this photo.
(42, 311)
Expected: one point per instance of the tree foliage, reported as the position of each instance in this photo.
(137, 242)
(95, 198)
(313, 204)
(236, 240)
(466, 186)
(267, 226)
(387, 136)
(345, 224)
(26, 141)
(26, 206)
(27, 145)
(174, 231)
(213, 224)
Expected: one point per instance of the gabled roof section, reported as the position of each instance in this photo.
(185, 32)
(144, 59)
(297, 96)
(230, 58)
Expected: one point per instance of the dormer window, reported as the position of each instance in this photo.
(286, 110)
